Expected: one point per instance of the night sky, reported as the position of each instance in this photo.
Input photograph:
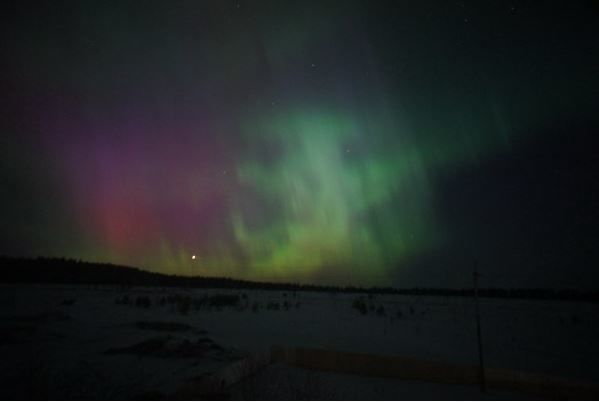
(339, 142)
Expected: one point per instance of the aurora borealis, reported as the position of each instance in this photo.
(315, 141)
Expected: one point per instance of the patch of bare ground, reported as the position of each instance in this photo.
(170, 347)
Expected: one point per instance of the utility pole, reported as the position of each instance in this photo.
(475, 276)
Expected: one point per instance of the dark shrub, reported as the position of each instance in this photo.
(198, 303)
(184, 305)
(220, 301)
(143, 301)
(360, 305)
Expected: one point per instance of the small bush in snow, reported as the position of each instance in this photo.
(184, 305)
(360, 305)
(198, 303)
(219, 301)
(143, 301)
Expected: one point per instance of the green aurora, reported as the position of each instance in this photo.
(327, 142)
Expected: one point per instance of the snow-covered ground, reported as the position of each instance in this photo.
(101, 342)
(279, 382)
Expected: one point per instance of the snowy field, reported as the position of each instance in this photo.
(106, 342)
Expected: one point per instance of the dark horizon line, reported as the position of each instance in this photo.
(60, 270)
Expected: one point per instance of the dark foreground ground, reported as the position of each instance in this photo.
(83, 342)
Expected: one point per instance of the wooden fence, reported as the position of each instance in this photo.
(405, 368)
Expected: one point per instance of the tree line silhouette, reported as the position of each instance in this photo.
(70, 271)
